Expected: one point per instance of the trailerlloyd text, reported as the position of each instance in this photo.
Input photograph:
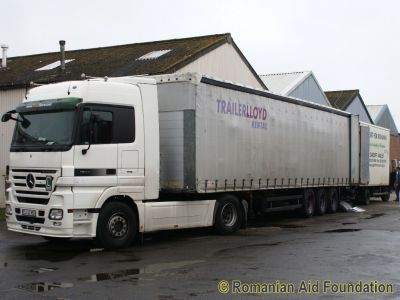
(241, 110)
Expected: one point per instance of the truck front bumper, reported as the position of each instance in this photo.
(34, 218)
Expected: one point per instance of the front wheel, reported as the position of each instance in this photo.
(229, 216)
(116, 226)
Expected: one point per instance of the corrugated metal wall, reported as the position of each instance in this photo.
(386, 120)
(8, 100)
(171, 149)
(223, 63)
(357, 108)
(310, 91)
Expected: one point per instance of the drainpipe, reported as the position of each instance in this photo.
(4, 58)
(62, 55)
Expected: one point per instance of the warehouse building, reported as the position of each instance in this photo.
(215, 55)
(381, 116)
(302, 85)
(350, 101)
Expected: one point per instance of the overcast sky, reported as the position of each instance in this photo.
(348, 44)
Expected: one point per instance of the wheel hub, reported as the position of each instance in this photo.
(229, 214)
(118, 226)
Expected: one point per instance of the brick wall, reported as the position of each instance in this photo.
(394, 147)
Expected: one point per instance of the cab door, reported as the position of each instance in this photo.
(109, 151)
(96, 153)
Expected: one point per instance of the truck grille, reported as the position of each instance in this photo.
(33, 200)
(29, 185)
(36, 228)
(31, 220)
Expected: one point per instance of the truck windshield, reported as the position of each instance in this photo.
(45, 125)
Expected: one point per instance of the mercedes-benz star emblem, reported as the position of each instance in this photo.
(30, 181)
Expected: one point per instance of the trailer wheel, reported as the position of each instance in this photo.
(308, 203)
(320, 202)
(116, 226)
(364, 197)
(385, 198)
(229, 215)
(333, 201)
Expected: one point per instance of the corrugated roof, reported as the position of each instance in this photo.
(341, 99)
(382, 116)
(161, 57)
(282, 83)
(375, 111)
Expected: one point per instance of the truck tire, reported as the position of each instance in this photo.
(117, 226)
(333, 201)
(308, 203)
(320, 202)
(385, 198)
(229, 215)
(364, 196)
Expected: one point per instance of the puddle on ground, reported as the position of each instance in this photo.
(288, 226)
(111, 275)
(96, 250)
(223, 251)
(44, 270)
(276, 225)
(150, 269)
(349, 223)
(54, 252)
(50, 255)
(40, 287)
(127, 260)
(373, 216)
(342, 230)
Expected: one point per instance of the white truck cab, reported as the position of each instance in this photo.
(78, 144)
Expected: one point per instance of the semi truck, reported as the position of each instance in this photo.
(112, 158)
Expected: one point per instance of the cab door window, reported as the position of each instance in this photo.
(106, 125)
(96, 127)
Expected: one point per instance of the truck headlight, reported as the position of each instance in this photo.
(8, 209)
(56, 214)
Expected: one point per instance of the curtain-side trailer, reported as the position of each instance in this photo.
(110, 158)
(374, 162)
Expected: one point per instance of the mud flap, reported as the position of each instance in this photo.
(245, 206)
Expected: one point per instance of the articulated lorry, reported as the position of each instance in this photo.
(111, 158)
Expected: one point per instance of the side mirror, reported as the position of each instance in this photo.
(92, 122)
(6, 117)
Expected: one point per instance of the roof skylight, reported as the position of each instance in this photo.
(53, 65)
(154, 54)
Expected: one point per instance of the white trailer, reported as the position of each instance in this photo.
(113, 157)
(374, 162)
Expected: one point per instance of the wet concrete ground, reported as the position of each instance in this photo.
(188, 264)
